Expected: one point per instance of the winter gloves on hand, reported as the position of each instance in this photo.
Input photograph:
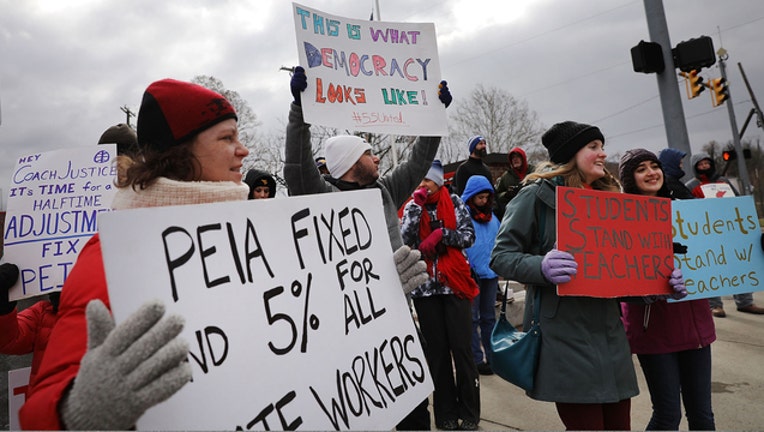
(127, 369)
(444, 94)
(298, 84)
(9, 274)
(428, 246)
(411, 269)
(677, 285)
(420, 196)
(558, 266)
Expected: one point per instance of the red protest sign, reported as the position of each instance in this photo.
(622, 242)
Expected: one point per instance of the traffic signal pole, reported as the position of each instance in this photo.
(668, 87)
(742, 169)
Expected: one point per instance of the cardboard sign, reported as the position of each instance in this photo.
(294, 311)
(18, 382)
(372, 76)
(54, 200)
(621, 242)
(717, 190)
(723, 242)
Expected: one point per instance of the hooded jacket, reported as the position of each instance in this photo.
(509, 183)
(479, 254)
(709, 176)
(670, 159)
(27, 332)
(256, 177)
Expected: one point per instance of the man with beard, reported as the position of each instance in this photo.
(473, 165)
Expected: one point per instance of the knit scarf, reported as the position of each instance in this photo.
(481, 214)
(453, 268)
(166, 192)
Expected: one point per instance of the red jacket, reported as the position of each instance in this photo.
(27, 332)
(68, 340)
(662, 327)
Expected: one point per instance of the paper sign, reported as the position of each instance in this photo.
(293, 308)
(717, 190)
(723, 242)
(372, 76)
(621, 242)
(54, 200)
(18, 382)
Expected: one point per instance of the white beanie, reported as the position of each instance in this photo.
(342, 152)
(435, 173)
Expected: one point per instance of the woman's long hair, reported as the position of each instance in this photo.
(141, 171)
(572, 176)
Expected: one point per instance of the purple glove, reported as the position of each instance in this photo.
(558, 266)
(420, 196)
(428, 246)
(677, 284)
(444, 94)
(298, 83)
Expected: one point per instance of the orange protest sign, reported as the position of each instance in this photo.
(622, 242)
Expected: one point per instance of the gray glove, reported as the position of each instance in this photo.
(411, 269)
(127, 369)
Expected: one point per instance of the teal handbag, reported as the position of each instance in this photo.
(516, 353)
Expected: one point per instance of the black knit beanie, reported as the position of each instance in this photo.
(629, 163)
(564, 139)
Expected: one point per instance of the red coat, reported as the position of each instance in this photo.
(668, 327)
(68, 340)
(27, 332)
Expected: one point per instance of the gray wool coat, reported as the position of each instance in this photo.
(302, 177)
(585, 355)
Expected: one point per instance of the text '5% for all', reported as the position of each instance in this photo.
(307, 318)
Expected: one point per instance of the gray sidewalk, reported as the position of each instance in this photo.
(737, 384)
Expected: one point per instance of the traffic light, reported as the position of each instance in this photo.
(729, 155)
(720, 91)
(693, 83)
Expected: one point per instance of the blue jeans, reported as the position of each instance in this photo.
(484, 318)
(741, 300)
(686, 374)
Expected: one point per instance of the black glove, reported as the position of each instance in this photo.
(444, 94)
(298, 84)
(680, 248)
(9, 274)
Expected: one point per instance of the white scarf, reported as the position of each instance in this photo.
(166, 192)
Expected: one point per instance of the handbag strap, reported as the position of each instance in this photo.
(537, 290)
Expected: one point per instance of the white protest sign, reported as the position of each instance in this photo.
(717, 190)
(372, 76)
(293, 307)
(54, 199)
(18, 382)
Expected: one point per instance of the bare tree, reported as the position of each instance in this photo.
(503, 120)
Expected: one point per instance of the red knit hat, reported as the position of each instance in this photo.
(173, 111)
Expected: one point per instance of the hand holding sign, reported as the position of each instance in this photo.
(677, 285)
(558, 266)
(127, 369)
(9, 274)
(298, 83)
(444, 94)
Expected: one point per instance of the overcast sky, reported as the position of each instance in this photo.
(67, 66)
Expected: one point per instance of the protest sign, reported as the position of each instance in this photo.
(54, 200)
(372, 76)
(723, 242)
(294, 311)
(621, 242)
(18, 383)
(717, 190)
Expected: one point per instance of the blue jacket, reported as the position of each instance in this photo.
(479, 254)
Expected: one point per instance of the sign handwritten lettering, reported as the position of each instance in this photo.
(54, 200)
(723, 242)
(293, 307)
(621, 242)
(373, 76)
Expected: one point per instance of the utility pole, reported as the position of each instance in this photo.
(743, 171)
(759, 116)
(125, 109)
(668, 88)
